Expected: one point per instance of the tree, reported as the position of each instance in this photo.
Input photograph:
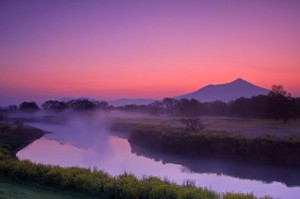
(170, 106)
(216, 108)
(192, 124)
(190, 108)
(102, 105)
(156, 108)
(280, 103)
(81, 105)
(29, 106)
(277, 90)
(54, 105)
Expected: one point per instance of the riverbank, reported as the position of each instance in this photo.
(95, 183)
(15, 136)
(265, 149)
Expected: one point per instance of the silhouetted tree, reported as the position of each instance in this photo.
(81, 105)
(29, 106)
(216, 108)
(239, 107)
(257, 106)
(170, 106)
(54, 105)
(190, 108)
(280, 103)
(192, 124)
(295, 108)
(156, 108)
(102, 105)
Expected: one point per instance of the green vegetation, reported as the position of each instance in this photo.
(98, 183)
(16, 190)
(220, 144)
(238, 196)
(14, 136)
(242, 196)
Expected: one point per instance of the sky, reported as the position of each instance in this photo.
(102, 49)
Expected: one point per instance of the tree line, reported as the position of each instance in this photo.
(57, 106)
(278, 104)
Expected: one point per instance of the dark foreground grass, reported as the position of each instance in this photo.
(90, 182)
(16, 190)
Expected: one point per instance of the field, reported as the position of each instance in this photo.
(241, 126)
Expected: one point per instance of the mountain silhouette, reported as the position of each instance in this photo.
(225, 92)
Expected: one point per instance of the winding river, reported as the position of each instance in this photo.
(93, 145)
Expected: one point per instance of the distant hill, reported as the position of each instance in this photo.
(125, 101)
(226, 92)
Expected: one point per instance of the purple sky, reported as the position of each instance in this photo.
(151, 49)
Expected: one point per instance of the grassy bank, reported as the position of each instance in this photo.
(18, 190)
(15, 136)
(219, 144)
(97, 183)
(91, 182)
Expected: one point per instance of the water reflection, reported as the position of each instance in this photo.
(92, 146)
(264, 173)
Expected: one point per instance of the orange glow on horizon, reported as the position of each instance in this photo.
(146, 50)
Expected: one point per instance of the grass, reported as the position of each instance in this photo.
(19, 190)
(15, 136)
(207, 120)
(97, 183)
(238, 125)
(229, 195)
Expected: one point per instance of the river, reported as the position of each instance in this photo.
(93, 145)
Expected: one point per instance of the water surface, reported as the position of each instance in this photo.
(93, 145)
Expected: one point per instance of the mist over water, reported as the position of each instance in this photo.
(85, 140)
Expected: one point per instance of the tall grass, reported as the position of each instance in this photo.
(99, 183)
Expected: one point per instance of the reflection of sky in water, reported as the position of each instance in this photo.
(77, 145)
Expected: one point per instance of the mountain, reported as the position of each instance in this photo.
(226, 92)
(125, 101)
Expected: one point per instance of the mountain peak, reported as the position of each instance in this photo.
(226, 92)
(239, 80)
